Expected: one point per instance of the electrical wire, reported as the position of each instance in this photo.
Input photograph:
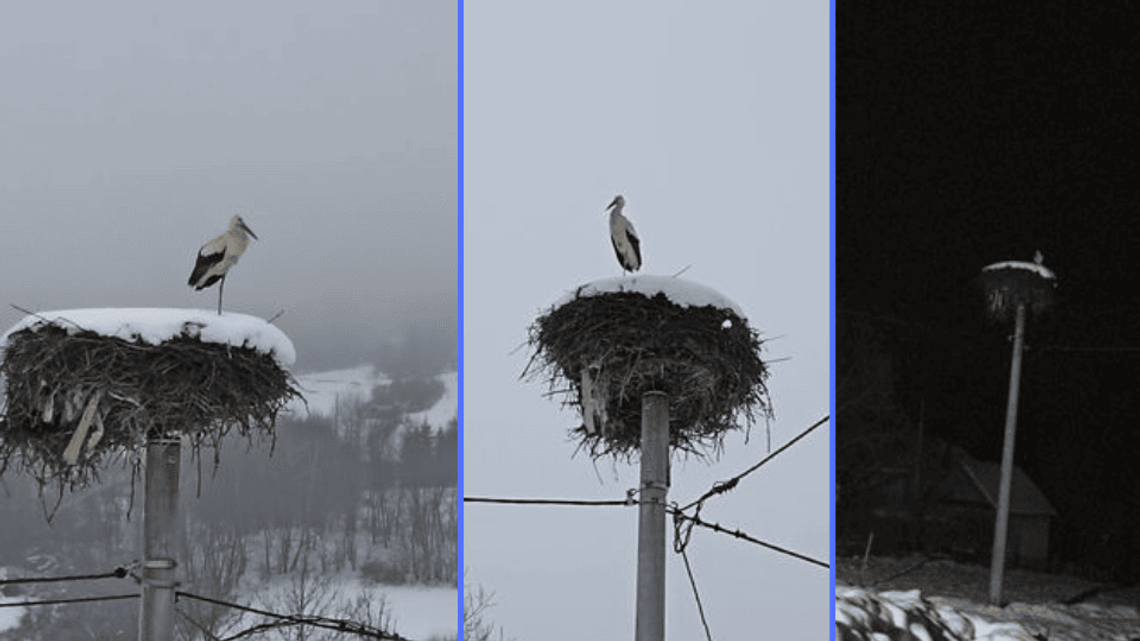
(339, 625)
(479, 499)
(716, 527)
(722, 487)
(117, 573)
(113, 597)
(696, 595)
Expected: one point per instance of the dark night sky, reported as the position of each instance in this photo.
(974, 132)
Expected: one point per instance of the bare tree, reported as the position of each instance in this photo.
(476, 602)
(215, 559)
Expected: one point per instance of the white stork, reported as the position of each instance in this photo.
(219, 255)
(627, 246)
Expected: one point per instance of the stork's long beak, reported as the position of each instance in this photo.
(611, 205)
(248, 230)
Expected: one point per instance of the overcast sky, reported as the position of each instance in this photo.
(132, 132)
(712, 121)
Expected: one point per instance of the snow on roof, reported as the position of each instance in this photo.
(155, 325)
(1041, 270)
(684, 293)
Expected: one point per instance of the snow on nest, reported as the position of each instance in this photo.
(155, 325)
(684, 293)
(1040, 270)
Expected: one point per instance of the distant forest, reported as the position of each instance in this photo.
(367, 491)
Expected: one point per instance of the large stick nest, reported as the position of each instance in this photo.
(705, 358)
(95, 397)
(1012, 284)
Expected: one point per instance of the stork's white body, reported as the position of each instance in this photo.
(217, 257)
(626, 244)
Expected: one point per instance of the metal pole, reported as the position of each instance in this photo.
(160, 518)
(651, 524)
(1001, 524)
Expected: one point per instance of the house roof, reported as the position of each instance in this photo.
(981, 482)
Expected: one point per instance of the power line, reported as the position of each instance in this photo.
(114, 597)
(722, 487)
(117, 573)
(339, 625)
(741, 535)
(478, 499)
(696, 595)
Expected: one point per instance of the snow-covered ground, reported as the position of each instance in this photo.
(446, 408)
(417, 612)
(10, 617)
(324, 390)
(920, 597)
(153, 325)
(865, 615)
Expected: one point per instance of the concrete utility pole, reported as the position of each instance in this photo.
(651, 524)
(160, 518)
(1001, 524)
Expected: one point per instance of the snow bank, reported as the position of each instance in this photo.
(155, 325)
(864, 615)
(684, 293)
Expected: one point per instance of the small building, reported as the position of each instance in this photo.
(955, 511)
(967, 499)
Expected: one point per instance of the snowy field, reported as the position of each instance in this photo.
(416, 611)
(420, 613)
(325, 390)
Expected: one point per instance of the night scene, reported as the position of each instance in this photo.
(970, 135)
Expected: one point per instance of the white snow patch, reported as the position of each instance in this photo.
(418, 612)
(325, 390)
(10, 616)
(684, 293)
(154, 325)
(423, 612)
(1040, 270)
(446, 408)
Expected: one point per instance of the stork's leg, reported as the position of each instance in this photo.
(221, 286)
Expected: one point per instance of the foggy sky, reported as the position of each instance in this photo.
(712, 121)
(132, 133)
